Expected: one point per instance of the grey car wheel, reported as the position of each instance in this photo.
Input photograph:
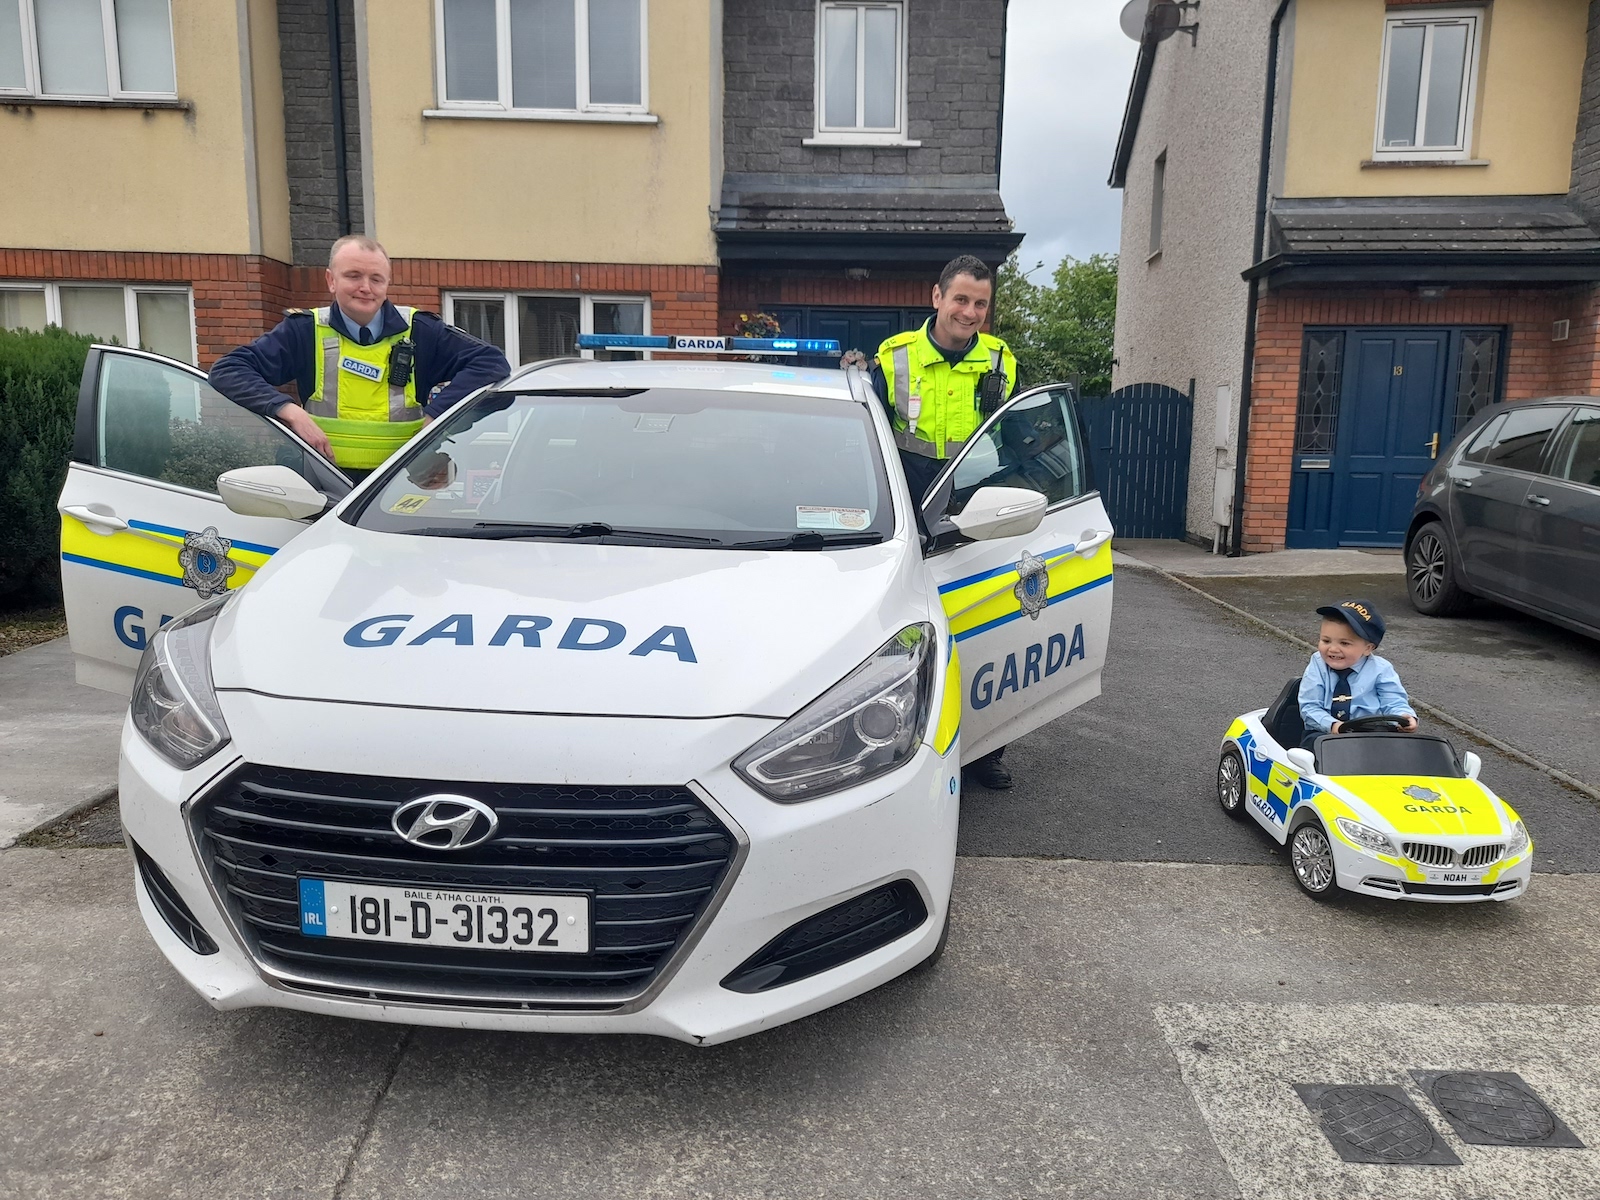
(1230, 783)
(1430, 574)
(1311, 859)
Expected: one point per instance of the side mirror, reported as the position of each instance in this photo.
(1303, 761)
(1471, 764)
(270, 492)
(1000, 512)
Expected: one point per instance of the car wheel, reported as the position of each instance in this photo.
(1430, 574)
(1311, 860)
(1230, 783)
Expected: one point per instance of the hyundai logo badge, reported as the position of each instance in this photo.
(445, 822)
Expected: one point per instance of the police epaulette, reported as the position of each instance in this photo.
(299, 312)
(903, 339)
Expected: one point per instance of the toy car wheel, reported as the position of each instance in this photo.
(1430, 575)
(1230, 783)
(1311, 859)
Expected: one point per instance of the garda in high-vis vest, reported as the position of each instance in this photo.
(366, 415)
(935, 401)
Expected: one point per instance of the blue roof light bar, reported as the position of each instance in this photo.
(682, 344)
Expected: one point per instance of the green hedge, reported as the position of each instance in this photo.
(39, 377)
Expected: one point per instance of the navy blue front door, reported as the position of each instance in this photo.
(861, 329)
(1372, 417)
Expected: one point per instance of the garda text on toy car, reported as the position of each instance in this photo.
(627, 697)
(1373, 811)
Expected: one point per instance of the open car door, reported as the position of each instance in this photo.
(144, 534)
(1029, 615)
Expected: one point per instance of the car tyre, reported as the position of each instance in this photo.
(1231, 783)
(1311, 860)
(1430, 573)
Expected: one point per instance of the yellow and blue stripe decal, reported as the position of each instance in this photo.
(148, 551)
(987, 600)
(944, 734)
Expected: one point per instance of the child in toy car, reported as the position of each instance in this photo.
(1345, 680)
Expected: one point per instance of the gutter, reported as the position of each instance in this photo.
(1000, 115)
(341, 152)
(1241, 457)
(1142, 68)
(1412, 267)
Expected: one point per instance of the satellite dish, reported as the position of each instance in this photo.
(1163, 20)
(1132, 18)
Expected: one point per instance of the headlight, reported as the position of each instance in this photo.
(174, 706)
(867, 724)
(1365, 836)
(1519, 840)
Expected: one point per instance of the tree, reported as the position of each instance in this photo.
(1063, 329)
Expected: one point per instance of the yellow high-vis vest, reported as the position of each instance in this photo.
(935, 402)
(366, 417)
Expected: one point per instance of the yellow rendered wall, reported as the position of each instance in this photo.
(272, 163)
(1530, 71)
(542, 190)
(125, 179)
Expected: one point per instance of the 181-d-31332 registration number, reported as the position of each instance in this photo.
(531, 923)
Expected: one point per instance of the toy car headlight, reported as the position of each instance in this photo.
(174, 706)
(1519, 840)
(1365, 836)
(867, 724)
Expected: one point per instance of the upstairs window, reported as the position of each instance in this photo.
(87, 49)
(553, 56)
(1430, 68)
(861, 55)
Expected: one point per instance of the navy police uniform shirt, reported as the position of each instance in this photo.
(250, 375)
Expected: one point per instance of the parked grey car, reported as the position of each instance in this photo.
(1511, 511)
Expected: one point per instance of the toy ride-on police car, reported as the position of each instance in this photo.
(1372, 810)
(628, 696)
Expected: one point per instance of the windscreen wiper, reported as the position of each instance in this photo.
(504, 531)
(808, 539)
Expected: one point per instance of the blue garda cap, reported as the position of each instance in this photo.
(1360, 616)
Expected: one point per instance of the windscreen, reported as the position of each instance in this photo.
(714, 469)
(1387, 754)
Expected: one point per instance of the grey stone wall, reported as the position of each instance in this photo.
(1586, 146)
(314, 219)
(953, 94)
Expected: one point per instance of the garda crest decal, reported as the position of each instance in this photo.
(205, 562)
(1033, 584)
(1422, 795)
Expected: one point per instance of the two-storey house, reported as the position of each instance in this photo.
(1354, 224)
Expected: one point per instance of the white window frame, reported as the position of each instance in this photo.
(130, 302)
(1462, 149)
(587, 301)
(826, 135)
(503, 108)
(33, 80)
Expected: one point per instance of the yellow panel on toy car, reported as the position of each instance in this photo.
(1428, 805)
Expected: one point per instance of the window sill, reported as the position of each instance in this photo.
(892, 140)
(603, 118)
(119, 102)
(1391, 163)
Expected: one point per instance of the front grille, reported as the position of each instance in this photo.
(1382, 883)
(1449, 889)
(1482, 856)
(651, 857)
(1432, 854)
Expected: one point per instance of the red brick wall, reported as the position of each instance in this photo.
(239, 297)
(1535, 365)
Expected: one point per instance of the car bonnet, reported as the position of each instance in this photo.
(1428, 807)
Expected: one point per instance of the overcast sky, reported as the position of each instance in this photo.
(1067, 73)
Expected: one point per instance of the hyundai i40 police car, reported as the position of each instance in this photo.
(629, 696)
(1372, 810)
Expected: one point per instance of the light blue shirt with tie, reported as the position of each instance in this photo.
(1375, 691)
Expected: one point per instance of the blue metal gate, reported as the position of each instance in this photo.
(1139, 449)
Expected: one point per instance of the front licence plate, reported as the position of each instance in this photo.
(421, 916)
(1462, 877)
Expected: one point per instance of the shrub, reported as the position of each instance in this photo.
(39, 377)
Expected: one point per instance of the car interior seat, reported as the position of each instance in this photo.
(1283, 719)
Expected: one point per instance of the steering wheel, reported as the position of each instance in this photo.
(1379, 724)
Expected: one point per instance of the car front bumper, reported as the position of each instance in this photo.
(1368, 875)
(792, 861)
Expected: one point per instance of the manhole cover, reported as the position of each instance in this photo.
(1375, 1125)
(1495, 1108)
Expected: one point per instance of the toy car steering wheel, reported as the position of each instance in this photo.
(1378, 724)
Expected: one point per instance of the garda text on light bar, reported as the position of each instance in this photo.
(690, 344)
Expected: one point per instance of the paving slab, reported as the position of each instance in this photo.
(1183, 558)
(58, 739)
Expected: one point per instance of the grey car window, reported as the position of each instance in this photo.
(1478, 449)
(1520, 442)
(1577, 455)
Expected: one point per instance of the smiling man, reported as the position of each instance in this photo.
(365, 369)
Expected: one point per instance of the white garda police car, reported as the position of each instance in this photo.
(625, 698)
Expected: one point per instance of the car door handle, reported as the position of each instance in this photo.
(1544, 501)
(98, 521)
(1091, 541)
(1462, 483)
